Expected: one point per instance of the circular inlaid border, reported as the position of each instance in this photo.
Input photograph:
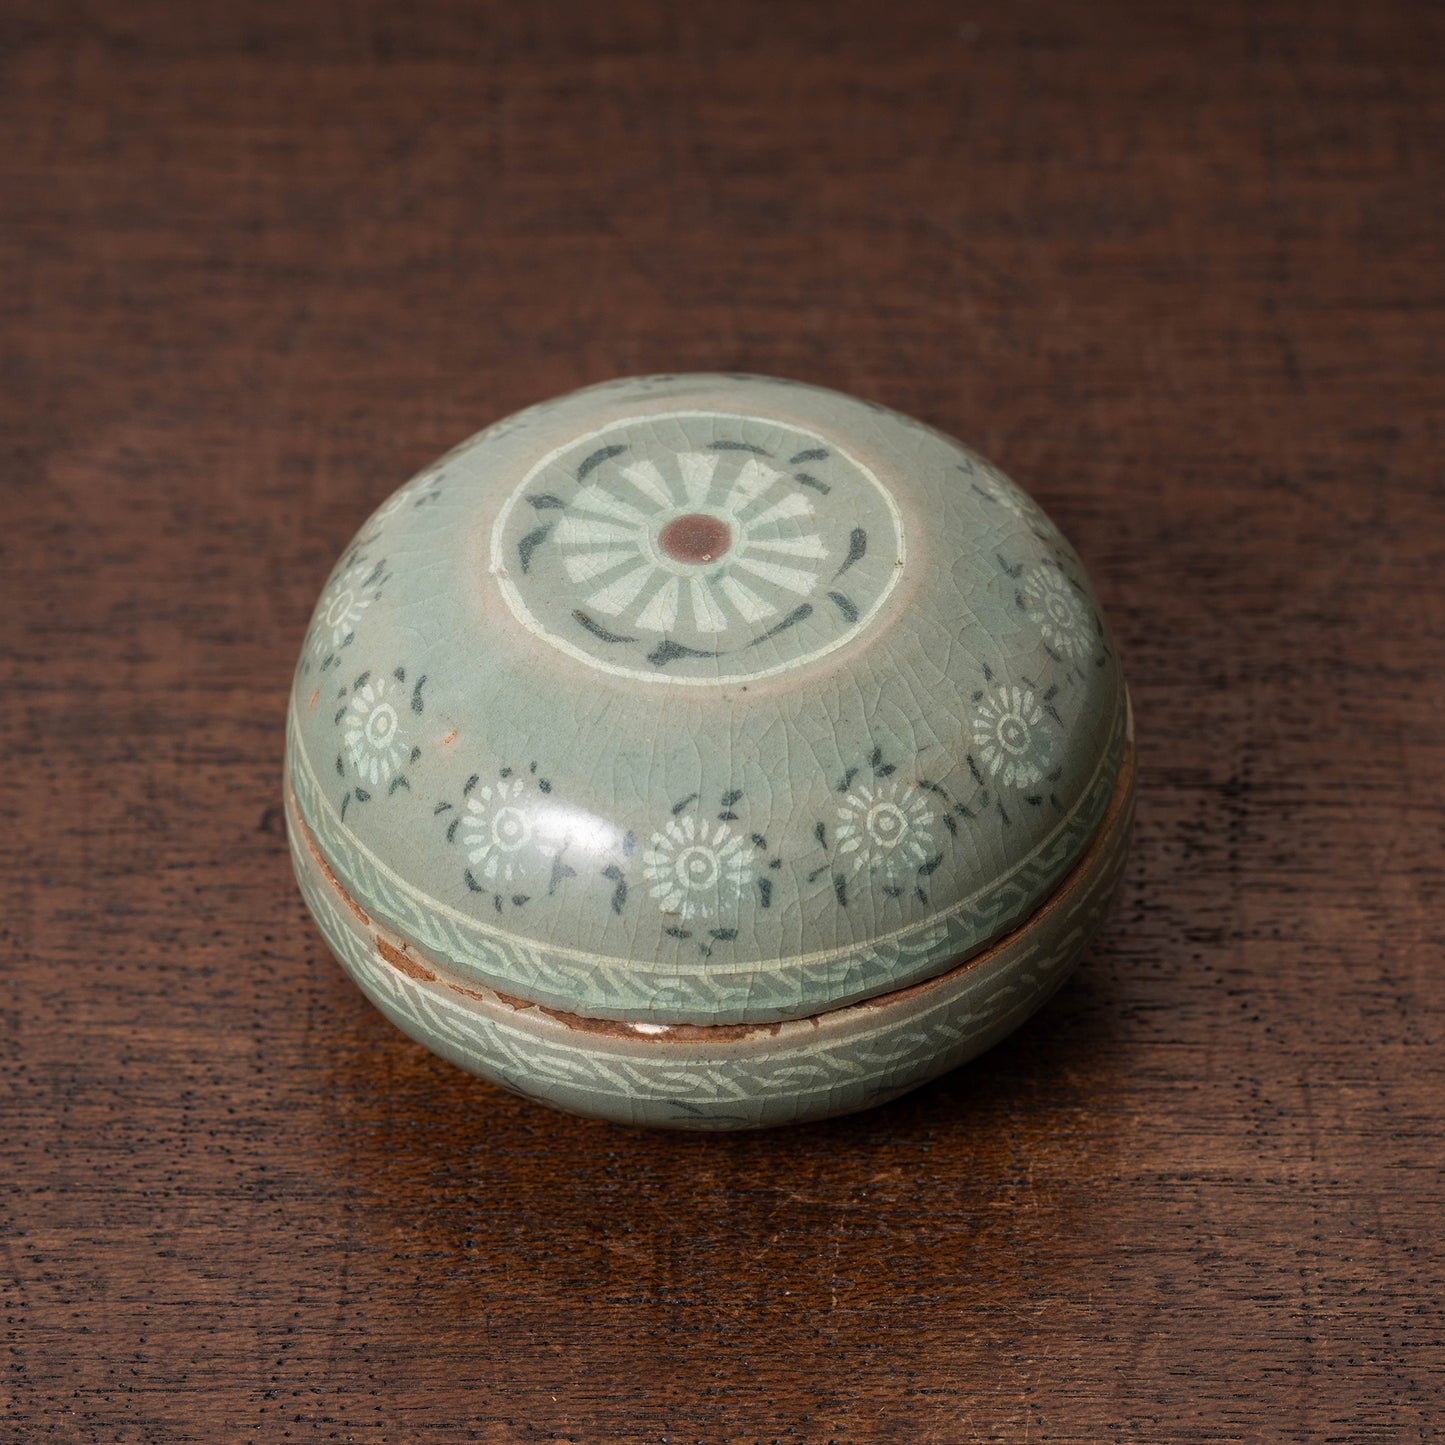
(725, 1076)
(856, 619)
(646, 984)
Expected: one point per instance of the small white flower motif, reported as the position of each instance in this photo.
(696, 869)
(373, 732)
(1009, 732)
(1052, 603)
(423, 489)
(498, 833)
(1005, 494)
(342, 606)
(887, 829)
(394, 505)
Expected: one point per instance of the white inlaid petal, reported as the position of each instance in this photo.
(793, 578)
(587, 565)
(661, 612)
(697, 469)
(582, 531)
(645, 476)
(791, 546)
(793, 505)
(597, 499)
(750, 607)
(620, 594)
(710, 617)
(751, 482)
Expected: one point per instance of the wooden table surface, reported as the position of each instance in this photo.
(1178, 268)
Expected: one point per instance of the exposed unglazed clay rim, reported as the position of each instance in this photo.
(399, 954)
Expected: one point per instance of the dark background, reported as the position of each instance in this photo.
(1177, 268)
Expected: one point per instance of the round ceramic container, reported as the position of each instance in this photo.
(708, 751)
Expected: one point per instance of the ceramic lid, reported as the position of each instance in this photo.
(705, 699)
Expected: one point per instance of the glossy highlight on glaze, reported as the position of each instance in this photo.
(702, 702)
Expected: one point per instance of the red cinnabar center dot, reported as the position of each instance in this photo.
(695, 538)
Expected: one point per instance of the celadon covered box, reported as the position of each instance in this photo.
(708, 751)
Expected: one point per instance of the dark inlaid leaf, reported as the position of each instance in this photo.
(857, 549)
(619, 893)
(530, 543)
(670, 651)
(797, 615)
(597, 630)
(601, 455)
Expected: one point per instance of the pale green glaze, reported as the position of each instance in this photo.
(853, 716)
(750, 1077)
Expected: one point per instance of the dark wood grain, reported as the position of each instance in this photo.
(1178, 268)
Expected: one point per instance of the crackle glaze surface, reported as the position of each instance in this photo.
(747, 1077)
(705, 699)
